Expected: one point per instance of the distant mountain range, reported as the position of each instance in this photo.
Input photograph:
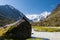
(51, 20)
(33, 18)
(36, 17)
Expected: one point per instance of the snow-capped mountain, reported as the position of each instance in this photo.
(37, 17)
(33, 17)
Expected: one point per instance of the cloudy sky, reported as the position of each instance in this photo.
(32, 7)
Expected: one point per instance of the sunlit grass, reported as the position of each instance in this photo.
(34, 39)
(46, 29)
(4, 30)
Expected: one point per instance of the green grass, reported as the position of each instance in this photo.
(46, 29)
(28, 39)
(34, 39)
(4, 30)
(37, 39)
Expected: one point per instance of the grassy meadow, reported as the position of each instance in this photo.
(46, 29)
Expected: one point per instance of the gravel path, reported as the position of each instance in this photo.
(48, 35)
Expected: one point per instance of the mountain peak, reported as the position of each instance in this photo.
(56, 9)
(9, 6)
(58, 5)
(10, 12)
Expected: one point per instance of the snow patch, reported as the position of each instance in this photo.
(37, 17)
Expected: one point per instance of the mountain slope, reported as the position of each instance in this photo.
(8, 14)
(54, 18)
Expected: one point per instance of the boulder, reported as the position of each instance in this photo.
(22, 31)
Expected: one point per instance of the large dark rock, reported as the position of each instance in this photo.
(22, 31)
